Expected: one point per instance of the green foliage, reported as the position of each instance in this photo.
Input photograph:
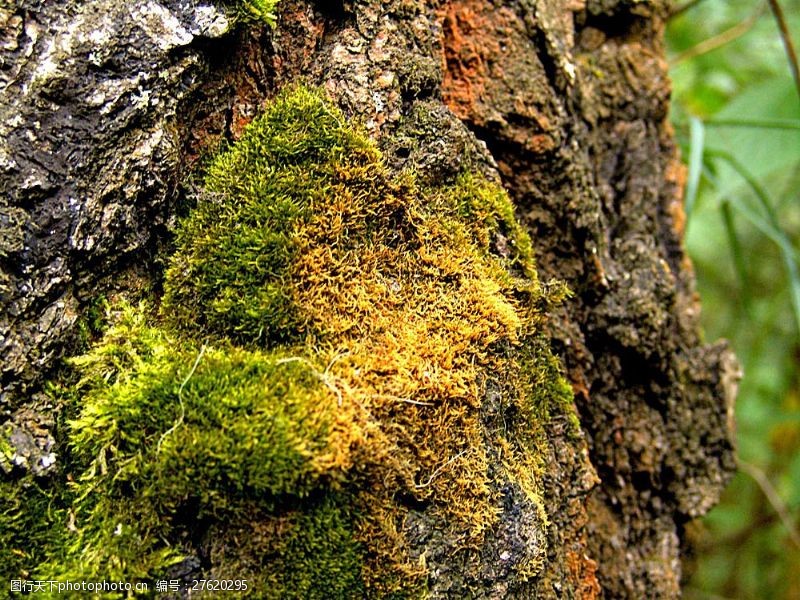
(743, 235)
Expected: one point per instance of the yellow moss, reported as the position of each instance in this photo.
(405, 297)
(399, 303)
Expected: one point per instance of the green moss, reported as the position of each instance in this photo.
(319, 352)
(91, 323)
(166, 427)
(230, 274)
(544, 393)
(30, 524)
(6, 449)
(306, 551)
(237, 419)
(317, 557)
(488, 214)
(258, 11)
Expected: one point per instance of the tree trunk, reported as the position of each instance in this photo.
(108, 108)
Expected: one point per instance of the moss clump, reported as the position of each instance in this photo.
(489, 217)
(321, 362)
(318, 558)
(168, 427)
(243, 422)
(91, 323)
(30, 524)
(308, 551)
(258, 11)
(230, 276)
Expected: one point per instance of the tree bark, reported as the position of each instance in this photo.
(108, 107)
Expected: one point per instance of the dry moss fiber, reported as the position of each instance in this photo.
(318, 365)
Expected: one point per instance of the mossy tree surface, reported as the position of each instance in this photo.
(333, 341)
(258, 11)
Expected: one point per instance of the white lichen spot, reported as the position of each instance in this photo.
(161, 25)
(48, 64)
(32, 33)
(100, 36)
(569, 69)
(98, 98)
(339, 53)
(378, 101)
(141, 99)
(210, 22)
(146, 148)
(7, 162)
(48, 460)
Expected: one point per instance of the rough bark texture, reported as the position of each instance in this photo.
(107, 106)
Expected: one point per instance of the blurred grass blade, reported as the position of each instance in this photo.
(786, 36)
(752, 217)
(785, 124)
(737, 255)
(719, 40)
(773, 497)
(773, 229)
(697, 133)
(757, 221)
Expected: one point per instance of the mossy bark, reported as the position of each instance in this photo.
(109, 109)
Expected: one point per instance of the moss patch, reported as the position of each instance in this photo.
(170, 430)
(238, 420)
(306, 551)
(231, 274)
(259, 11)
(30, 525)
(321, 362)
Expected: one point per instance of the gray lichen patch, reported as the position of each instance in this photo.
(12, 232)
(88, 159)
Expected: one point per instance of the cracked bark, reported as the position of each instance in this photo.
(106, 108)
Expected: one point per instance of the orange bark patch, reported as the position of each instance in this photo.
(675, 177)
(469, 46)
(493, 77)
(583, 571)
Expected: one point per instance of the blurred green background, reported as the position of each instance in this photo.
(736, 112)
